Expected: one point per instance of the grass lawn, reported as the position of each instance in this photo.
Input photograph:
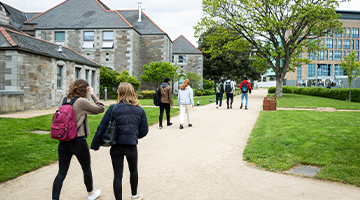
(306, 101)
(329, 140)
(22, 151)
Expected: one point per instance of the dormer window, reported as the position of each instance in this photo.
(88, 40)
(60, 38)
(108, 40)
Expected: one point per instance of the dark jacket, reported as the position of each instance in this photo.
(131, 125)
(221, 87)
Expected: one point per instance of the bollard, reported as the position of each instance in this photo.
(210, 99)
(105, 94)
(198, 103)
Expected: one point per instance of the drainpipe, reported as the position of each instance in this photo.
(140, 9)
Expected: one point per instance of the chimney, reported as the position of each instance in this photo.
(140, 9)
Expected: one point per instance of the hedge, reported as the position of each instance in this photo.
(146, 94)
(338, 93)
(203, 92)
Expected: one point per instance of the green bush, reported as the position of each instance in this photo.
(203, 92)
(146, 94)
(338, 93)
(208, 84)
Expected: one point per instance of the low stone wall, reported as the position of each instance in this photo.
(11, 101)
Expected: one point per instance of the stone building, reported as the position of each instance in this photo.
(187, 57)
(34, 73)
(324, 68)
(120, 39)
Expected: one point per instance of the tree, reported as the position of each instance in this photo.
(279, 30)
(194, 79)
(156, 72)
(234, 63)
(351, 68)
(112, 78)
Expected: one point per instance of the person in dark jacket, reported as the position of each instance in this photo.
(166, 102)
(132, 125)
(219, 89)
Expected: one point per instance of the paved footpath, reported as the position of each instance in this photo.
(201, 162)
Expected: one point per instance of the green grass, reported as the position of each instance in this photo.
(22, 151)
(305, 101)
(329, 140)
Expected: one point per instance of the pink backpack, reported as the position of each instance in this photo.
(64, 126)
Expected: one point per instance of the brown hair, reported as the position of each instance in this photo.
(126, 94)
(185, 84)
(78, 88)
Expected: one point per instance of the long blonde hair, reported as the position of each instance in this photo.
(126, 94)
(185, 84)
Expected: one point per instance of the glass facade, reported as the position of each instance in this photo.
(311, 70)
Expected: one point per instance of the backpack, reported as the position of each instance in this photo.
(157, 97)
(218, 88)
(244, 87)
(228, 87)
(64, 126)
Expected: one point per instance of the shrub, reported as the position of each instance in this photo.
(208, 84)
(146, 94)
(203, 92)
(338, 93)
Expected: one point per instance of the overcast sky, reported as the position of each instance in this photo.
(175, 17)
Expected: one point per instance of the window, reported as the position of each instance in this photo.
(344, 54)
(323, 70)
(311, 70)
(60, 38)
(321, 55)
(108, 40)
(355, 33)
(87, 75)
(93, 79)
(329, 43)
(337, 55)
(182, 59)
(339, 44)
(298, 71)
(348, 32)
(338, 71)
(330, 55)
(353, 44)
(312, 56)
(77, 72)
(59, 77)
(88, 40)
(338, 34)
(346, 44)
(357, 55)
(326, 55)
(356, 44)
(172, 58)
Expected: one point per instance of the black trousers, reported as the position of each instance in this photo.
(231, 96)
(117, 153)
(165, 106)
(80, 148)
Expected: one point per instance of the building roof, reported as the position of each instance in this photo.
(81, 14)
(30, 15)
(182, 46)
(146, 26)
(17, 18)
(10, 39)
(348, 14)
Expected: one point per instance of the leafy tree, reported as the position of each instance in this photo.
(222, 63)
(351, 68)
(156, 72)
(194, 79)
(278, 30)
(112, 78)
(208, 84)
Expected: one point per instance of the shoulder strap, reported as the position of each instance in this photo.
(113, 114)
(71, 102)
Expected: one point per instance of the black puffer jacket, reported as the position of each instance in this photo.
(131, 125)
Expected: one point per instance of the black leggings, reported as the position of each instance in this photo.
(231, 97)
(117, 153)
(80, 148)
(165, 106)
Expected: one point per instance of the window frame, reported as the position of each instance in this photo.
(107, 43)
(183, 59)
(59, 42)
(59, 76)
(88, 43)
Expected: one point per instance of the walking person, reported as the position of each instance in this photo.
(131, 125)
(229, 88)
(78, 89)
(186, 102)
(166, 102)
(245, 89)
(219, 89)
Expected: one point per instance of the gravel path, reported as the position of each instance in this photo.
(201, 162)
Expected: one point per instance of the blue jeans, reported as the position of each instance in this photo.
(246, 95)
(80, 149)
(219, 97)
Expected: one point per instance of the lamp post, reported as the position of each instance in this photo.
(105, 94)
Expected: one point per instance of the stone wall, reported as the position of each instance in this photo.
(11, 101)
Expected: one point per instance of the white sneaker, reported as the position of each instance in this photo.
(219, 107)
(139, 196)
(95, 195)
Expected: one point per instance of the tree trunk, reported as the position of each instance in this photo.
(279, 87)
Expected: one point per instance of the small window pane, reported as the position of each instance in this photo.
(89, 36)
(108, 35)
(182, 59)
(88, 44)
(59, 77)
(107, 45)
(59, 36)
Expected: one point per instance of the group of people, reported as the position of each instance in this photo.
(185, 101)
(229, 89)
(131, 122)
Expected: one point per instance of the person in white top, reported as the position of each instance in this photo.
(229, 88)
(186, 102)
